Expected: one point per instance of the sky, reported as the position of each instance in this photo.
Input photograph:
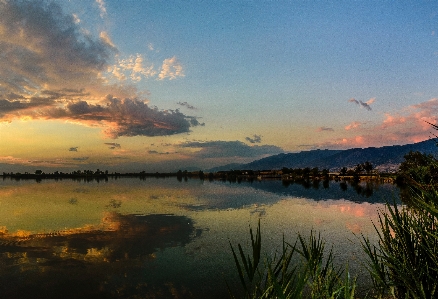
(166, 85)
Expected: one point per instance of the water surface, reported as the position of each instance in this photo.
(162, 238)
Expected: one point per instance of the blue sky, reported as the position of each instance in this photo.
(161, 85)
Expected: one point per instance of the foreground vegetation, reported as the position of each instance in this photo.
(403, 264)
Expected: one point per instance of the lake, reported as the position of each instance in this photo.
(164, 238)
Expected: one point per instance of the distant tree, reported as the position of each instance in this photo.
(298, 172)
(414, 160)
(306, 172)
(350, 172)
(418, 168)
(315, 172)
(358, 169)
(367, 166)
(343, 171)
(285, 170)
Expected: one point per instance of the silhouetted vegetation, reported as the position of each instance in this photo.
(302, 270)
(403, 264)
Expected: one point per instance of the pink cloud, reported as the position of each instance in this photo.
(391, 120)
(353, 125)
(408, 125)
(420, 115)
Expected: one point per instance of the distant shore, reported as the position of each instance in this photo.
(232, 175)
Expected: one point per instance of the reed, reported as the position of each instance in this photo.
(302, 270)
(404, 263)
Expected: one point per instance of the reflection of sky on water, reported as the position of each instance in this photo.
(225, 195)
(161, 235)
(320, 190)
(91, 262)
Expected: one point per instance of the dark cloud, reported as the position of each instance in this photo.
(134, 117)
(187, 105)
(153, 152)
(365, 105)
(80, 159)
(220, 149)
(8, 106)
(73, 149)
(13, 96)
(255, 139)
(113, 145)
(321, 129)
(64, 93)
(10, 103)
(128, 117)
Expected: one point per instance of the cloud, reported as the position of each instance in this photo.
(256, 139)
(44, 48)
(73, 149)
(187, 105)
(221, 149)
(113, 145)
(322, 129)
(106, 38)
(80, 159)
(353, 125)
(134, 68)
(420, 115)
(410, 124)
(50, 68)
(365, 105)
(153, 152)
(102, 8)
(171, 69)
(127, 117)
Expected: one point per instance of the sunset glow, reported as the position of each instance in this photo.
(162, 86)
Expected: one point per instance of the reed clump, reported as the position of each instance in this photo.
(302, 270)
(402, 264)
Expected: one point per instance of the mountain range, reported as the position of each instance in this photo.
(385, 159)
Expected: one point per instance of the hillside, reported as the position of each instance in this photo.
(384, 158)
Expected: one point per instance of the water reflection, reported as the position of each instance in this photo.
(89, 262)
(366, 191)
(161, 238)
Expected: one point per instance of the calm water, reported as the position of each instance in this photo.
(161, 238)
